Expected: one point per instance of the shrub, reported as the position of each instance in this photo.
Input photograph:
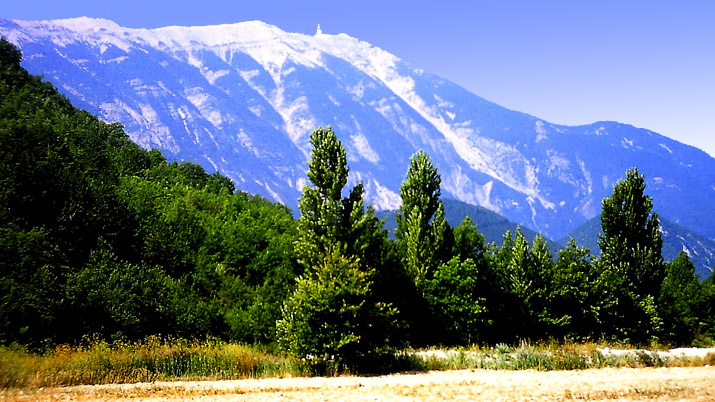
(331, 321)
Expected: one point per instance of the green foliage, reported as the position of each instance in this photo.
(30, 283)
(631, 250)
(708, 289)
(332, 322)
(321, 207)
(631, 240)
(328, 165)
(469, 242)
(100, 236)
(228, 254)
(685, 302)
(575, 294)
(130, 303)
(327, 219)
(454, 295)
(529, 295)
(424, 242)
(423, 234)
(522, 271)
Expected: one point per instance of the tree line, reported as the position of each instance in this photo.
(362, 294)
(102, 238)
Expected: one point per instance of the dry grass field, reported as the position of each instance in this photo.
(608, 384)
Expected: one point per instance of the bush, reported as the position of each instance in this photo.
(331, 321)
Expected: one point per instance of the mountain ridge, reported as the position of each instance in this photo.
(245, 109)
(490, 224)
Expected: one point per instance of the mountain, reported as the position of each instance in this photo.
(489, 223)
(676, 238)
(242, 99)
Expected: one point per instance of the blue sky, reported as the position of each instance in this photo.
(646, 63)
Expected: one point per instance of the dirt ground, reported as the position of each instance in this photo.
(611, 384)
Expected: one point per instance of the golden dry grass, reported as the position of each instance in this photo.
(608, 384)
(150, 360)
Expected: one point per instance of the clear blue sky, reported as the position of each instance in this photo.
(647, 63)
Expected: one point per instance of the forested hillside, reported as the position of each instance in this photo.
(100, 237)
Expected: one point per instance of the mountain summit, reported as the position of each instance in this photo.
(242, 99)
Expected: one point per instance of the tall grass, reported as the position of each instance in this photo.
(548, 356)
(98, 362)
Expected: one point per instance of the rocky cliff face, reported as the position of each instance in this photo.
(243, 98)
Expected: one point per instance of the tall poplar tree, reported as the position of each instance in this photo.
(333, 319)
(422, 230)
(631, 248)
(328, 220)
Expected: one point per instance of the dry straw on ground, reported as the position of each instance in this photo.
(609, 384)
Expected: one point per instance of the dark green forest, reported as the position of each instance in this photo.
(101, 238)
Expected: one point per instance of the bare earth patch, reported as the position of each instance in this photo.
(610, 384)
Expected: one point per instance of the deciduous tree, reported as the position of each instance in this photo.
(631, 246)
(333, 319)
(422, 230)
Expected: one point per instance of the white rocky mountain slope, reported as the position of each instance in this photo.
(242, 99)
